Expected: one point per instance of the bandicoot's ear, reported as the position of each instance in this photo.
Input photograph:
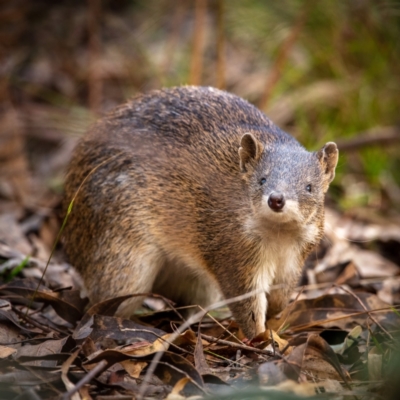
(328, 158)
(250, 150)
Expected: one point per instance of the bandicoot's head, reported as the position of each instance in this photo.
(287, 183)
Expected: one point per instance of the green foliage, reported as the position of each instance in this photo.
(351, 44)
(10, 275)
(341, 70)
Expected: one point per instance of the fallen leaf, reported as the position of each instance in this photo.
(335, 310)
(27, 289)
(48, 347)
(64, 375)
(133, 367)
(317, 348)
(374, 365)
(6, 351)
(121, 329)
(199, 359)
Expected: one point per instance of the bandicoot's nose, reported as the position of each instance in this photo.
(276, 201)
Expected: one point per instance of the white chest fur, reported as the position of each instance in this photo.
(280, 260)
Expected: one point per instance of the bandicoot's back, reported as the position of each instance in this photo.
(192, 193)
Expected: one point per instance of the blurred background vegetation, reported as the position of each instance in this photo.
(321, 69)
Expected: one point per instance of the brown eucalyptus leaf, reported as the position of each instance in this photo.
(334, 310)
(120, 329)
(48, 347)
(27, 378)
(134, 367)
(111, 356)
(170, 368)
(199, 359)
(314, 346)
(349, 276)
(64, 374)
(6, 351)
(108, 308)
(11, 316)
(24, 289)
(12, 234)
(179, 386)
(173, 367)
(9, 333)
(161, 344)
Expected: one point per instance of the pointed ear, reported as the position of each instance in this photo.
(328, 158)
(249, 151)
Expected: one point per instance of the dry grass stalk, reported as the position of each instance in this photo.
(221, 80)
(282, 57)
(173, 39)
(196, 62)
(95, 84)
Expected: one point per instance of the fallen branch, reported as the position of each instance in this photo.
(374, 137)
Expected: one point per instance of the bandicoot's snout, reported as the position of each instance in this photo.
(276, 201)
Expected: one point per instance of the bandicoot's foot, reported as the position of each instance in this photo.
(261, 337)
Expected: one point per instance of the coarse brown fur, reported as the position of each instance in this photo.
(176, 202)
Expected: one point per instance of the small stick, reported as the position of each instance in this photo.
(299, 328)
(365, 308)
(30, 320)
(237, 345)
(86, 379)
(290, 309)
(384, 136)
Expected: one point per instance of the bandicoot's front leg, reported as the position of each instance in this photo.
(250, 314)
(279, 296)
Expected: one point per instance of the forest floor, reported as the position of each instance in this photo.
(321, 73)
(337, 336)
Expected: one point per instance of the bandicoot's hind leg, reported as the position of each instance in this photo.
(129, 272)
(187, 286)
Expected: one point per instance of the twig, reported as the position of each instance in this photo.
(366, 281)
(365, 308)
(376, 136)
(30, 320)
(36, 374)
(354, 314)
(183, 373)
(237, 345)
(220, 325)
(291, 305)
(86, 379)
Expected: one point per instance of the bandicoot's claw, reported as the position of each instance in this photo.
(246, 341)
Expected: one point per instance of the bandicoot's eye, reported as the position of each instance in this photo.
(308, 188)
(262, 181)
